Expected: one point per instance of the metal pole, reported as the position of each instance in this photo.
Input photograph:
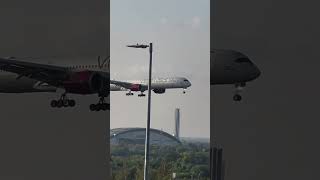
(146, 155)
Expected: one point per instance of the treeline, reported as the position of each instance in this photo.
(188, 161)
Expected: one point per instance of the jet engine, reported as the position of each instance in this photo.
(86, 82)
(159, 91)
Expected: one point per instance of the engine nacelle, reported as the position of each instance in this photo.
(136, 87)
(159, 91)
(86, 82)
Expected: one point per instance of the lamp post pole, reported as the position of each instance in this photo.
(147, 140)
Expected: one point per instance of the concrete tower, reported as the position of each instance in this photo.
(177, 123)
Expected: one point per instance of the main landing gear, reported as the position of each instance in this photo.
(141, 94)
(101, 105)
(129, 93)
(63, 102)
(239, 89)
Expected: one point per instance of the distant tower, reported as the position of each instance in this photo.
(177, 123)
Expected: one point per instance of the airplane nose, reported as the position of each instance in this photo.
(257, 72)
(252, 73)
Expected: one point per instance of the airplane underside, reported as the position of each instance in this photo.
(10, 84)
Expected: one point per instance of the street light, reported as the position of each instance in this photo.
(147, 140)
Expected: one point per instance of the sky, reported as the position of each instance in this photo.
(179, 31)
(274, 132)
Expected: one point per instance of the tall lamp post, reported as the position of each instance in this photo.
(147, 140)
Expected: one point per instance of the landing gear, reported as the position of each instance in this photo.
(63, 102)
(239, 89)
(71, 102)
(129, 93)
(141, 95)
(237, 97)
(101, 105)
(184, 91)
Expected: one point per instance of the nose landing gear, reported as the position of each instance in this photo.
(237, 97)
(184, 91)
(239, 88)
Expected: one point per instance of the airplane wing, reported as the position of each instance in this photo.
(127, 85)
(50, 74)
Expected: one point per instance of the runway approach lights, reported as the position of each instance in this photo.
(147, 140)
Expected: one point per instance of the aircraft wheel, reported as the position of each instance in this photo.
(54, 103)
(98, 107)
(92, 107)
(71, 102)
(65, 103)
(237, 97)
(104, 106)
(60, 103)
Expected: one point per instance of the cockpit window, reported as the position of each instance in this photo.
(185, 80)
(243, 60)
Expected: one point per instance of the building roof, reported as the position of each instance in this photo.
(115, 132)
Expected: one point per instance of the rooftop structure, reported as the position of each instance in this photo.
(137, 136)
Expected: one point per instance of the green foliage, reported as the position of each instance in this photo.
(186, 160)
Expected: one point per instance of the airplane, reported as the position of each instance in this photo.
(138, 46)
(158, 85)
(17, 76)
(232, 67)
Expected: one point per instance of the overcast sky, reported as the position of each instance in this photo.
(179, 30)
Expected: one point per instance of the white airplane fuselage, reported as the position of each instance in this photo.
(157, 84)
